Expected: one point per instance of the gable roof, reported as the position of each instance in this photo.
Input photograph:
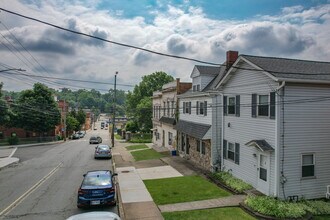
(284, 69)
(193, 129)
(217, 79)
(291, 68)
(205, 70)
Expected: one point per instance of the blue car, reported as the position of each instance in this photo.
(97, 188)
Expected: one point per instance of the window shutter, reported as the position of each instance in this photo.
(254, 105)
(225, 105)
(184, 108)
(238, 105)
(236, 153)
(272, 105)
(224, 147)
(197, 108)
(189, 108)
(205, 108)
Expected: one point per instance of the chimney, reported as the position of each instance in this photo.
(231, 58)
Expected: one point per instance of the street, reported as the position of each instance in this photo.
(44, 184)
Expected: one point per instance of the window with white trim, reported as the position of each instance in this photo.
(231, 105)
(170, 138)
(231, 151)
(263, 105)
(307, 165)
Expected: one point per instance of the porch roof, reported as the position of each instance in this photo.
(262, 145)
(193, 129)
(167, 120)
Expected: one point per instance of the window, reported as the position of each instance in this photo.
(170, 138)
(158, 111)
(198, 87)
(231, 151)
(194, 88)
(186, 107)
(164, 108)
(172, 109)
(263, 106)
(201, 108)
(168, 108)
(231, 105)
(308, 165)
(203, 147)
(198, 144)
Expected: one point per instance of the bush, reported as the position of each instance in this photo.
(13, 140)
(272, 207)
(234, 183)
(141, 138)
(317, 207)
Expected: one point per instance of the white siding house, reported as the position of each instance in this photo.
(276, 125)
(165, 112)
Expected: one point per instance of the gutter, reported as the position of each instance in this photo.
(277, 140)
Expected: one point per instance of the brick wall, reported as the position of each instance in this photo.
(203, 161)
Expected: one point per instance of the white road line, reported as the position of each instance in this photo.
(12, 153)
(27, 193)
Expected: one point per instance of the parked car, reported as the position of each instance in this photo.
(96, 215)
(102, 151)
(75, 136)
(94, 140)
(95, 128)
(81, 134)
(96, 189)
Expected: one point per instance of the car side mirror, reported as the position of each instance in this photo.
(84, 175)
(114, 174)
(96, 147)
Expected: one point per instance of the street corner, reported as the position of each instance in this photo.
(5, 162)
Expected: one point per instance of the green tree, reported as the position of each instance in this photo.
(144, 112)
(4, 109)
(72, 124)
(81, 117)
(146, 87)
(36, 110)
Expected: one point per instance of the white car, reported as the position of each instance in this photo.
(97, 215)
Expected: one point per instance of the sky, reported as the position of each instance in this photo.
(197, 29)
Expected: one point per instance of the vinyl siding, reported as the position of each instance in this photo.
(307, 130)
(193, 117)
(245, 128)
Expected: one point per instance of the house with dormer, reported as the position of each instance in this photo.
(200, 116)
(276, 125)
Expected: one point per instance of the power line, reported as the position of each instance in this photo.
(24, 48)
(109, 41)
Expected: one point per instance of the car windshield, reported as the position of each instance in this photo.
(93, 138)
(103, 147)
(97, 180)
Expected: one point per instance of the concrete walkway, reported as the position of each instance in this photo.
(203, 204)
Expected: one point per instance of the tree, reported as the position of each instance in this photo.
(4, 109)
(136, 100)
(81, 117)
(36, 110)
(72, 124)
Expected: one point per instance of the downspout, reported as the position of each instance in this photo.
(222, 133)
(277, 141)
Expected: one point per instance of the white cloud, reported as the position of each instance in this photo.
(296, 32)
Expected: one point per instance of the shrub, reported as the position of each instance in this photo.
(272, 207)
(317, 207)
(234, 183)
(13, 140)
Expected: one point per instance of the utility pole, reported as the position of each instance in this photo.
(114, 114)
(64, 120)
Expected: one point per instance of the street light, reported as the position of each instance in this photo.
(114, 114)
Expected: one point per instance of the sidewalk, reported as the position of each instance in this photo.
(6, 158)
(136, 202)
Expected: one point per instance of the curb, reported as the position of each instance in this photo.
(120, 203)
(31, 145)
(7, 165)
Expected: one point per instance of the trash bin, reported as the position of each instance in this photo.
(173, 152)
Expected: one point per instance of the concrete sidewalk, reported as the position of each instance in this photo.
(6, 158)
(136, 200)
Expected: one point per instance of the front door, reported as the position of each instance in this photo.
(263, 173)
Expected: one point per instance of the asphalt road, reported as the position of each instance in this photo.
(44, 184)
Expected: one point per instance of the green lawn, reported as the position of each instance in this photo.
(183, 189)
(136, 147)
(321, 217)
(230, 213)
(118, 137)
(146, 155)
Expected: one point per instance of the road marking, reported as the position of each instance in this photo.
(30, 191)
(12, 153)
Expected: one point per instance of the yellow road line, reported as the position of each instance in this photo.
(27, 193)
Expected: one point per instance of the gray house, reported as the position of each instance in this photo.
(275, 125)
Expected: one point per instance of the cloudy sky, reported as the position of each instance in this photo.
(202, 30)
